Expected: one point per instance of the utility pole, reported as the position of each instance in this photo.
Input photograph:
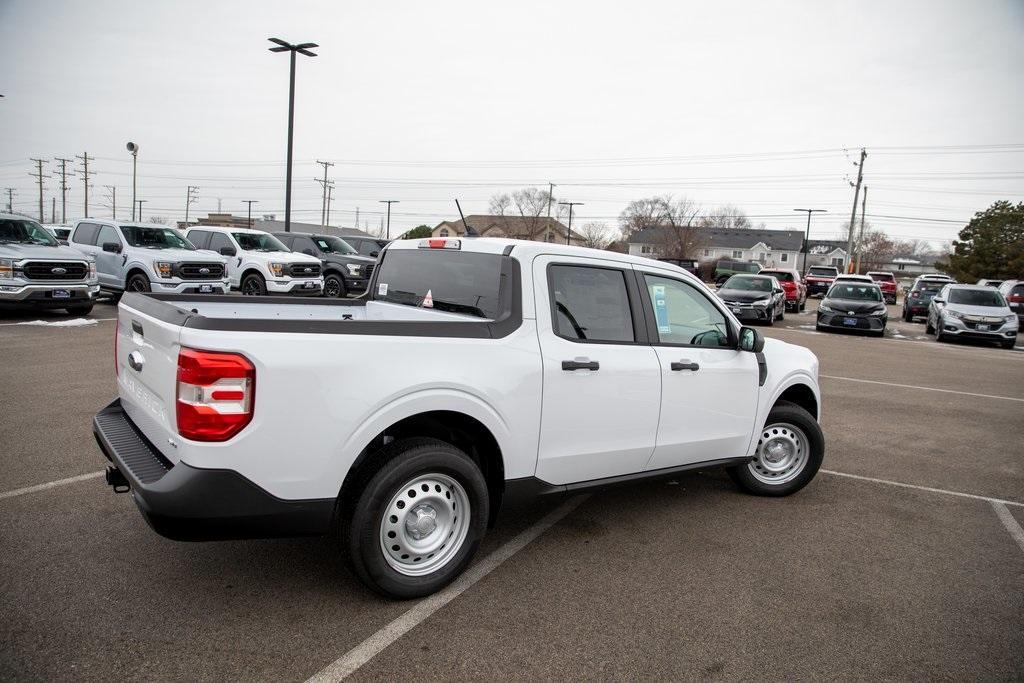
(568, 234)
(85, 178)
(330, 196)
(853, 213)
(64, 186)
(53, 209)
(10, 199)
(389, 202)
(302, 48)
(38, 175)
(807, 235)
(190, 199)
(860, 242)
(139, 203)
(551, 191)
(113, 201)
(250, 202)
(357, 218)
(323, 204)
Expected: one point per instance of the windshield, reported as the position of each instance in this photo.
(21, 231)
(334, 245)
(456, 281)
(853, 292)
(258, 241)
(928, 290)
(882, 277)
(748, 284)
(977, 297)
(823, 272)
(780, 275)
(155, 238)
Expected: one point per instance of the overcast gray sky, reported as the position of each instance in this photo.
(723, 102)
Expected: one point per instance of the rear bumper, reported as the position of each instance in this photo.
(186, 503)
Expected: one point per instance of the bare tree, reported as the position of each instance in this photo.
(161, 220)
(678, 235)
(727, 216)
(529, 206)
(875, 248)
(596, 235)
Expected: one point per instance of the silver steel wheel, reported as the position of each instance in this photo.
(781, 454)
(425, 524)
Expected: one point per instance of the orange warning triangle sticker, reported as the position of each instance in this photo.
(428, 300)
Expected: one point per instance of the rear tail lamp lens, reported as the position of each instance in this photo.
(216, 394)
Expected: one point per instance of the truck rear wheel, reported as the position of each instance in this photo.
(788, 455)
(418, 520)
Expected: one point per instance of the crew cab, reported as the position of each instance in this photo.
(475, 371)
(146, 257)
(258, 264)
(820, 278)
(37, 272)
(792, 285)
(345, 271)
(886, 281)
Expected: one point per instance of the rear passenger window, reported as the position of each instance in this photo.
(218, 241)
(85, 233)
(590, 304)
(107, 234)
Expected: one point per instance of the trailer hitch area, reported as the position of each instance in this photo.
(117, 480)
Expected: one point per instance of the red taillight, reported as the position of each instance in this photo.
(1016, 298)
(216, 393)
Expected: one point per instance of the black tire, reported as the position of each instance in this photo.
(85, 309)
(253, 285)
(938, 335)
(928, 329)
(880, 333)
(138, 283)
(770, 321)
(361, 522)
(782, 314)
(334, 287)
(907, 318)
(786, 413)
(803, 305)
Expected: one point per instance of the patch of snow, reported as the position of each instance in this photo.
(73, 322)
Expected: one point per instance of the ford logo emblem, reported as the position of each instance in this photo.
(58, 271)
(204, 271)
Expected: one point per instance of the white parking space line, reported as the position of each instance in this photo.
(975, 351)
(929, 489)
(351, 661)
(920, 388)
(1010, 523)
(49, 485)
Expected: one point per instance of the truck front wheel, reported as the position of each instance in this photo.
(789, 452)
(418, 520)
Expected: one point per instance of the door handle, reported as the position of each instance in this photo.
(583, 364)
(684, 365)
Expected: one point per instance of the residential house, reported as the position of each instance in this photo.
(770, 248)
(827, 253)
(903, 267)
(537, 229)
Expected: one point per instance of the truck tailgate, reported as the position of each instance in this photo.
(146, 357)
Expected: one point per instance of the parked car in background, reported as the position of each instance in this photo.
(726, 268)
(345, 271)
(366, 246)
(972, 312)
(146, 257)
(687, 264)
(918, 298)
(887, 282)
(793, 286)
(935, 277)
(61, 232)
(404, 429)
(990, 283)
(757, 298)
(36, 271)
(820, 278)
(1013, 292)
(853, 305)
(258, 264)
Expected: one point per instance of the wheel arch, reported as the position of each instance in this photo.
(133, 270)
(799, 394)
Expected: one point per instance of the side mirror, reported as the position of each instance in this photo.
(228, 251)
(112, 247)
(751, 340)
(308, 252)
(374, 254)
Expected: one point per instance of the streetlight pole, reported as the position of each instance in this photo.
(140, 202)
(807, 236)
(303, 48)
(134, 149)
(389, 202)
(568, 234)
(250, 202)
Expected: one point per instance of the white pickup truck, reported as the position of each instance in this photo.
(475, 370)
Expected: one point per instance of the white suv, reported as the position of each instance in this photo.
(147, 257)
(258, 263)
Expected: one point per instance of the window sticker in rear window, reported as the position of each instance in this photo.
(382, 289)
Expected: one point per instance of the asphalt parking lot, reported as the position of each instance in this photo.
(903, 559)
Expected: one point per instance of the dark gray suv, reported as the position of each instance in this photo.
(345, 271)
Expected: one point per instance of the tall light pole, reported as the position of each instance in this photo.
(389, 202)
(250, 202)
(140, 202)
(807, 236)
(134, 149)
(302, 48)
(568, 234)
